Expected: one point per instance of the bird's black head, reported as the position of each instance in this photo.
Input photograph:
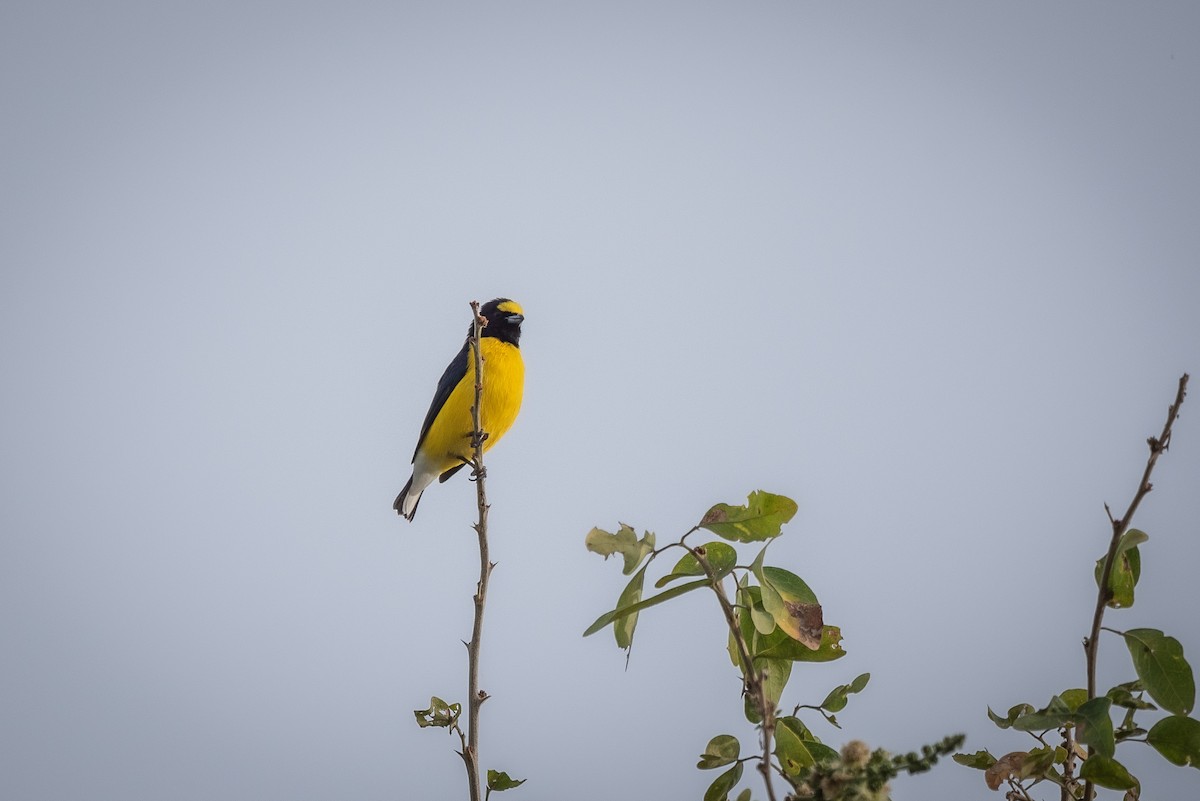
(504, 319)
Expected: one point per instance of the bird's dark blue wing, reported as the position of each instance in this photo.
(454, 373)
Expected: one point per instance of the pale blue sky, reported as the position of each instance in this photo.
(928, 268)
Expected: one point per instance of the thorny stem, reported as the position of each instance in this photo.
(1158, 446)
(753, 676)
(476, 697)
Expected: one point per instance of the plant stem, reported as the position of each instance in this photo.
(1158, 445)
(1068, 783)
(753, 677)
(475, 697)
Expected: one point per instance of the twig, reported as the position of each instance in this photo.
(753, 677)
(1158, 445)
(1018, 792)
(476, 697)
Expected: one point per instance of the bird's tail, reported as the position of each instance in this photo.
(406, 504)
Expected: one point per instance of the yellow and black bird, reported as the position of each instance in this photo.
(445, 442)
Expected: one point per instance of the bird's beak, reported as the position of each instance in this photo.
(515, 319)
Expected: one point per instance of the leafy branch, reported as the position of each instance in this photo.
(1081, 717)
(774, 621)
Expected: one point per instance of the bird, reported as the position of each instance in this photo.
(444, 446)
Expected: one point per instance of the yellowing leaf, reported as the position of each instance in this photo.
(792, 604)
(625, 542)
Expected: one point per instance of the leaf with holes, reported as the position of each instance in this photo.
(625, 542)
(439, 715)
(762, 518)
(499, 781)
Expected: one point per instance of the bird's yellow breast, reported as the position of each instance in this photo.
(449, 437)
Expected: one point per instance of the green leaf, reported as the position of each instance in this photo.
(1074, 698)
(1122, 697)
(798, 728)
(624, 542)
(1013, 713)
(837, 699)
(980, 760)
(720, 557)
(790, 751)
(1039, 762)
(1128, 729)
(763, 621)
(789, 586)
(1055, 715)
(666, 595)
(796, 748)
(720, 751)
(1093, 726)
(776, 674)
(624, 627)
(1107, 772)
(757, 566)
(760, 519)
(1177, 739)
(744, 615)
(750, 709)
(1126, 569)
(719, 789)
(1158, 660)
(440, 714)
(780, 646)
(498, 781)
(744, 795)
(821, 752)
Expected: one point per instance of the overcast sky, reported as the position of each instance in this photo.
(928, 268)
